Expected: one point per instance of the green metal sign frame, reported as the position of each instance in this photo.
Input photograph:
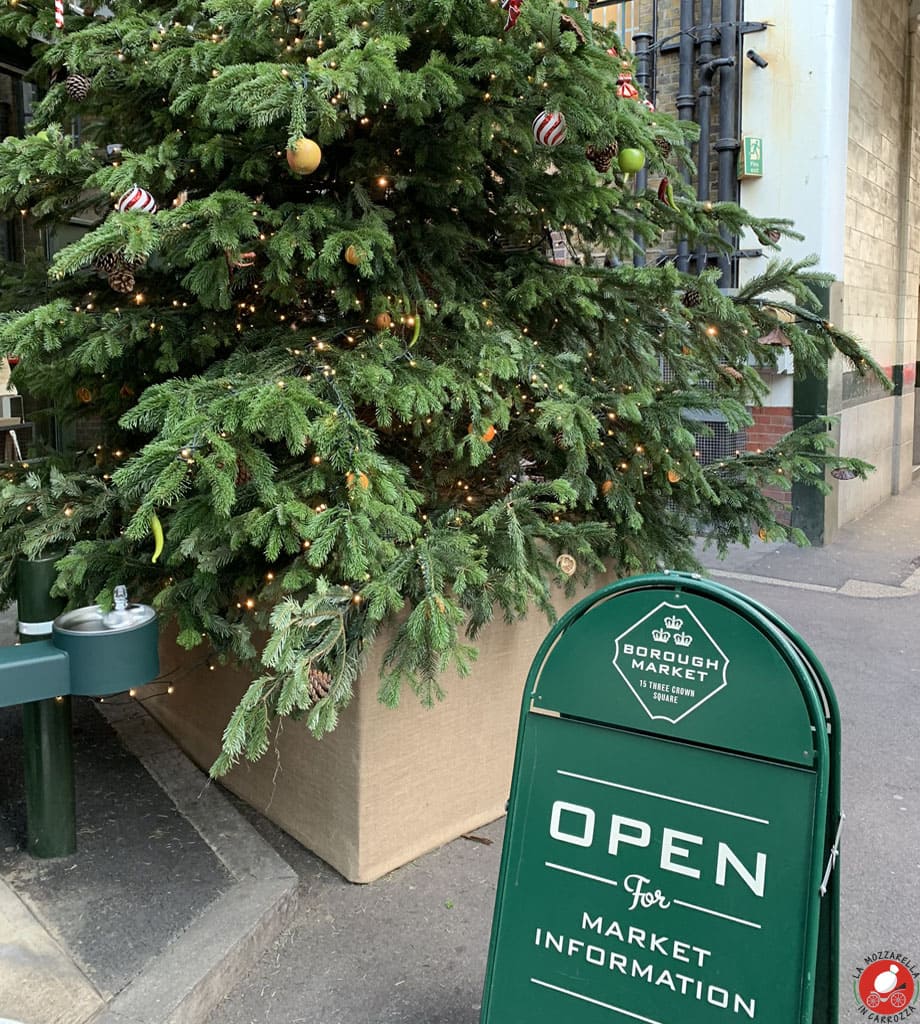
(827, 982)
(675, 738)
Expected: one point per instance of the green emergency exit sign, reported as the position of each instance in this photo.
(750, 157)
(666, 829)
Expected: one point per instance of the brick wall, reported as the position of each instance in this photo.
(667, 66)
(770, 424)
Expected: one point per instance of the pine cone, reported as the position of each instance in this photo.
(664, 147)
(691, 298)
(320, 684)
(78, 87)
(243, 476)
(601, 156)
(568, 24)
(106, 263)
(121, 280)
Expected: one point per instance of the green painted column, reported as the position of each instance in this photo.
(808, 503)
(46, 726)
(815, 513)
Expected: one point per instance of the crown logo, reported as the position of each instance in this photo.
(683, 639)
(673, 622)
(661, 636)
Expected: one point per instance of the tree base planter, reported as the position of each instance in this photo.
(387, 785)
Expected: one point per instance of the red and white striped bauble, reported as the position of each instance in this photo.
(549, 128)
(136, 200)
(513, 7)
(58, 13)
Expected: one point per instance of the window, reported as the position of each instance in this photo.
(16, 102)
(620, 15)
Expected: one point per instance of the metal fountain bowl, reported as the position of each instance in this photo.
(109, 651)
(92, 621)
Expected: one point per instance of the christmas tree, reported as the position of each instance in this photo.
(338, 376)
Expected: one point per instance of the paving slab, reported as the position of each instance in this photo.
(141, 873)
(882, 547)
(170, 893)
(39, 982)
(409, 948)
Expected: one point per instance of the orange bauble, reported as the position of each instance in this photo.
(490, 432)
(673, 476)
(383, 321)
(606, 487)
(352, 256)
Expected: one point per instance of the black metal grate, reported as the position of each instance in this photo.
(721, 444)
(715, 442)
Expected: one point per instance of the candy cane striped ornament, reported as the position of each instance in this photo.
(136, 200)
(549, 128)
(513, 7)
(59, 13)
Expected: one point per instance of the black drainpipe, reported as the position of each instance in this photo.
(728, 143)
(686, 101)
(653, 86)
(708, 67)
(641, 45)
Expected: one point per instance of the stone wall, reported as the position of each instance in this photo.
(882, 245)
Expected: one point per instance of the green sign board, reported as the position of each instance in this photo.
(666, 830)
(750, 157)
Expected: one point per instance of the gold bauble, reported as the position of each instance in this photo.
(352, 256)
(383, 321)
(305, 157)
(362, 478)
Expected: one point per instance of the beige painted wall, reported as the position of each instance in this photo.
(882, 239)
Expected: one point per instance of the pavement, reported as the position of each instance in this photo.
(183, 906)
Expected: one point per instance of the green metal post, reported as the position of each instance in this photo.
(808, 503)
(46, 726)
(813, 512)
